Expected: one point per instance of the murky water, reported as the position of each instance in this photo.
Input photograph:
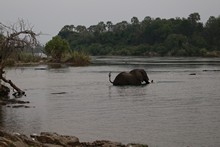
(177, 110)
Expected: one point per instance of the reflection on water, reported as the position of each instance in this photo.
(178, 109)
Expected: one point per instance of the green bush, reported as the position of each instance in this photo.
(56, 48)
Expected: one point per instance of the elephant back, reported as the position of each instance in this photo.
(123, 79)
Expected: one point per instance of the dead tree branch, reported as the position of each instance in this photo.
(14, 39)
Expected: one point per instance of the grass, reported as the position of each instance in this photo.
(28, 57)
(77, 58)
(74, 58)
(22, 58)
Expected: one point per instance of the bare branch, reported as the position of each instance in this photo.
(17, 37)
(13, 39)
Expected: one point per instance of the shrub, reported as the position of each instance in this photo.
(56, 48)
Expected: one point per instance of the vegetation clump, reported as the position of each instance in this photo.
(23, 58)
(59, 51)
(56, 48)
(78, 58)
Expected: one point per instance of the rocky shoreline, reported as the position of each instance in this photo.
(48, 139)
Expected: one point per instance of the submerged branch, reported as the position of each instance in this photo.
(19, 92)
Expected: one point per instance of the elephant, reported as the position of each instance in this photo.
(134, 77)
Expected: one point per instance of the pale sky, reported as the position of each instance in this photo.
(49, 16)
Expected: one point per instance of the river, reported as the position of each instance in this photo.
(180, 109)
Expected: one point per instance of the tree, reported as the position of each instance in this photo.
(109, 25)
(68, 28)
(101, 27)
(134, 20)
(121, 26)
(212, 31)
(189, 36)
(13, 39)
(56, 48)
(80, 29)
(176, 43)
(194, 17)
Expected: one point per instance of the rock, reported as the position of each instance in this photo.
(29, 141)
(106, 143)
(51, 145)
(54, 138)
(20, 106)
(14, 103)
(4, 142)
(3, 102)
(40, 68)
(136, 145)
(16, 140)
(48, 139)
(59, 93)
(4, 91)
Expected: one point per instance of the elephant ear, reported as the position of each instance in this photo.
(138, 74)
(144, 74)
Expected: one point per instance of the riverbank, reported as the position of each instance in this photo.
(47, 139)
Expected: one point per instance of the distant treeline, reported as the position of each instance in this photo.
(151, 37)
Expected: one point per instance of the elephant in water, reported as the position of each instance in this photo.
(134, 77)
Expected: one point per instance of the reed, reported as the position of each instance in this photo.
(78, 58)
(28, 58)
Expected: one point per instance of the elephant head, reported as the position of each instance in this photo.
(134, 77)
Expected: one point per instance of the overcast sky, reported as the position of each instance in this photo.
(49, 16)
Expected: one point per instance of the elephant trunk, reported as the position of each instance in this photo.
(147, 81)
